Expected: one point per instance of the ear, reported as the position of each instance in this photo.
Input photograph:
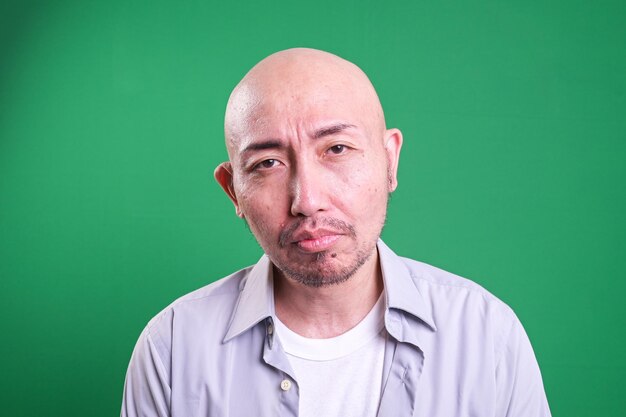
(224, 176)
(393, 144)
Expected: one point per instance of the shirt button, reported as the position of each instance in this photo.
(285, 385)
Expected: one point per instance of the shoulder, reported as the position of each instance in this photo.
(436, 288)
(458, 304)
(465, 311)
(431, 275)
(216, 294)
(439, 283)
(209, 307)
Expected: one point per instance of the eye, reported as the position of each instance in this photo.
(266, 164)
(337, 149)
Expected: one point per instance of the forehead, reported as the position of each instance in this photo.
(287, 112)
(302, 111)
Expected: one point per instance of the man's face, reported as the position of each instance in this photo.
(311, 176)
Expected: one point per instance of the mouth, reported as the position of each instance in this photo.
(316, 241)
(316, 235)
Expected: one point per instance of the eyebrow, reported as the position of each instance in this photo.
(277, 144)
(331, 130)
(259, 146)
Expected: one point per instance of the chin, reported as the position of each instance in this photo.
(324, 269)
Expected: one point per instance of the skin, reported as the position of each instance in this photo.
(311, 165)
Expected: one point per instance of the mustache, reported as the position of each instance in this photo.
(286, 236)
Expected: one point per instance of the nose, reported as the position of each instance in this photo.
(309, 193)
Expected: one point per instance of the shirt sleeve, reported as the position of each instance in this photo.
(519, 384)
(147, 392)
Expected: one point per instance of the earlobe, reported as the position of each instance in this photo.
(224, 176)
(393, 144)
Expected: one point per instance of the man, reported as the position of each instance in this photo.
(330, 322)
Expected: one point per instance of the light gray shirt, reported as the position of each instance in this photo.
(453, 350)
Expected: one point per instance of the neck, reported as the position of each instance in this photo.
(328, 311)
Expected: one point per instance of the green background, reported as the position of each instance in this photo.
(512, 172)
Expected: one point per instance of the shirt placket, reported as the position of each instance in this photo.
(403, 366)
(286, 386)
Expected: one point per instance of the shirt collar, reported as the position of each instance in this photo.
(256, 299)
(400, 289)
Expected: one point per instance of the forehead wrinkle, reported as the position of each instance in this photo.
(263, 145)
(332, 130)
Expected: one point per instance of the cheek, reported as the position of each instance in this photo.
(256, 207)
(365, 182)
(262, 209)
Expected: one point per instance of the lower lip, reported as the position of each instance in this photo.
(318, 244)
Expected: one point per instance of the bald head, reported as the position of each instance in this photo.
(299, 81)
(311, 164)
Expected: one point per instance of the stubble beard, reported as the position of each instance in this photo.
(319, 274)
(320, 271)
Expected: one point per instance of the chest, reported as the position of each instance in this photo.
(251, 378)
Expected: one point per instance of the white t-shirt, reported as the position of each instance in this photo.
(340, 376)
